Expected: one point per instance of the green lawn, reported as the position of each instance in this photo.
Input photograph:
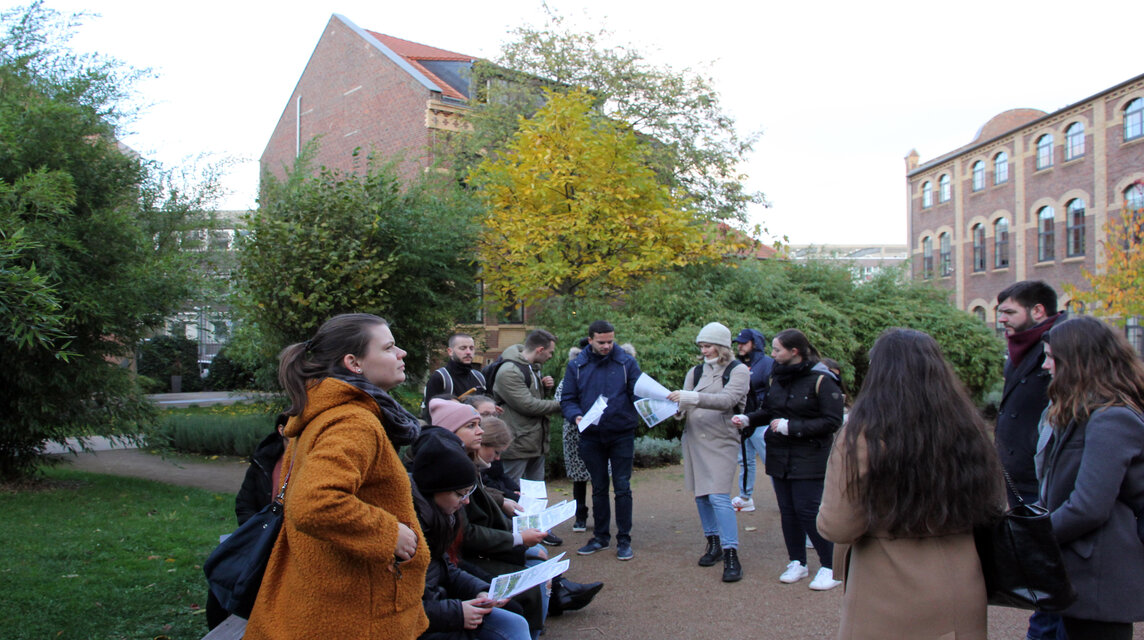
(102, 557)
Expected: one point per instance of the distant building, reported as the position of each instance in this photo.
(1028, 198)
(865, 261)
(364, 92)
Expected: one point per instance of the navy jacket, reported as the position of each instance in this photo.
(613, 376)
(761, 365)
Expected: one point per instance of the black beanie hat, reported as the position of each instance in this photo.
(441, 465)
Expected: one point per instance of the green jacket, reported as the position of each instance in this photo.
(525, 409)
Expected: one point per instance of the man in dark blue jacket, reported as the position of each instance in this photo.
(603, 370)
(753, 347)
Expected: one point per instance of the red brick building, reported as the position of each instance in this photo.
(364, 92)
(1028, 198)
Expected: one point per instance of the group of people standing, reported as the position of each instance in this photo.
(888, 494)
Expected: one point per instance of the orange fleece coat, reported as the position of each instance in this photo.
(331, 572)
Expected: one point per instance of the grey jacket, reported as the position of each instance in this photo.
(1093, 484)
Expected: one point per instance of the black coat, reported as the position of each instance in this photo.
(1094, 487)
(257, 487)
(812, 404)
(1023, 400)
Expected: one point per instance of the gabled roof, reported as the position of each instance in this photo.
(447, 69)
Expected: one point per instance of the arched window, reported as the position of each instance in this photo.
(943, 188)
(945, 255)
(1045, 151)
(978, 175)
(1134, 119)
(1001, 243)
(927, 195)
(1074, 141)
(979, 247)
(1074, 227)
(1135, 334)
(979, 313)
(927, 257)
(1045, 235)
(1134, 197)
(1001, 168)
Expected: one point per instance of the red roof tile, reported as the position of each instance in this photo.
(413, 52)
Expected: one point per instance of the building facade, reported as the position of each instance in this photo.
(1028, 198)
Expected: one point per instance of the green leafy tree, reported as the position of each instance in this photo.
(90, 236)
(1117, 291)
(697, 148)
(332, 242)
(842, 318)
(574, 208)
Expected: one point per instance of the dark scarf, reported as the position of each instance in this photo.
(400, 425)
(787, 373)
(1022, 342)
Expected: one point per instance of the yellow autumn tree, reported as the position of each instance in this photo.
(1117, 292)
(575, 209)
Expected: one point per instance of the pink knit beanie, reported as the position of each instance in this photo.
(451, 414)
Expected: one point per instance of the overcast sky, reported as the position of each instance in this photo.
(840, 90)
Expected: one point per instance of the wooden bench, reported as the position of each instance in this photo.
(232, 628)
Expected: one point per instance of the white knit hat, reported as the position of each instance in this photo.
(715, 333)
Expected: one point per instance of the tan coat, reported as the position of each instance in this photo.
(909, 588)
(710, 441)
(331, 572)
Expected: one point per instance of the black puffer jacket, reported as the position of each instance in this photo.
(446, 586)
(257, 487)
(811, 402)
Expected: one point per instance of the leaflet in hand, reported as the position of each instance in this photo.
(594, 414)
(655, 411)
(648, 387)
(546, 519)
(533, 488)
(510, 584)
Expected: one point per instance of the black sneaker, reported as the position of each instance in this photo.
(579, 525)
(552, 540)
(593, 546)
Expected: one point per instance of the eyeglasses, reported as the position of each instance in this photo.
(463, 495)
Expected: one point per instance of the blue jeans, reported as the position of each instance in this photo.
(503, 625)
(596, 455)
(798, 509)
(718, 518)
(756, 446)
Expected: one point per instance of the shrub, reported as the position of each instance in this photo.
(164, 356)
(226, 374)
(213, 433)
(654, 452)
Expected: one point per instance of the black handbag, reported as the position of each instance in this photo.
(234, 569)
(1022, 561)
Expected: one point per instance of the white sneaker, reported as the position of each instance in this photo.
(740, 504)
(795, 571)
(824, 580)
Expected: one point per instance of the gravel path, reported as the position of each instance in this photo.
(660, 594)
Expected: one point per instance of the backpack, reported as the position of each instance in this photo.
(697, 373)
(449, 380)
(490, 374)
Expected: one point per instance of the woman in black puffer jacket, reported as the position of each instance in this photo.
(801, 413)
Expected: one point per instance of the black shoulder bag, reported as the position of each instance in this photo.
(1021, 560)
(234, 569)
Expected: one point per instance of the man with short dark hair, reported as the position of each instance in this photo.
(526, 410)
(1027, 310)
(458, 376)
(603, 370)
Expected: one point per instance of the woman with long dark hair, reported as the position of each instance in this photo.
(350, 559)
(801, 412)
(1092, 474)
(912, 472)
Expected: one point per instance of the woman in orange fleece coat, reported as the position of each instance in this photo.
(350, 560)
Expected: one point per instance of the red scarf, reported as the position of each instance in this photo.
(1022, 342)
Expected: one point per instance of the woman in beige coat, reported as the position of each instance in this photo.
(711, 443)
(910, 475)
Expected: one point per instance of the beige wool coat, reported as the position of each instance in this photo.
(910, 588)
(331, 574)
(710, 442)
